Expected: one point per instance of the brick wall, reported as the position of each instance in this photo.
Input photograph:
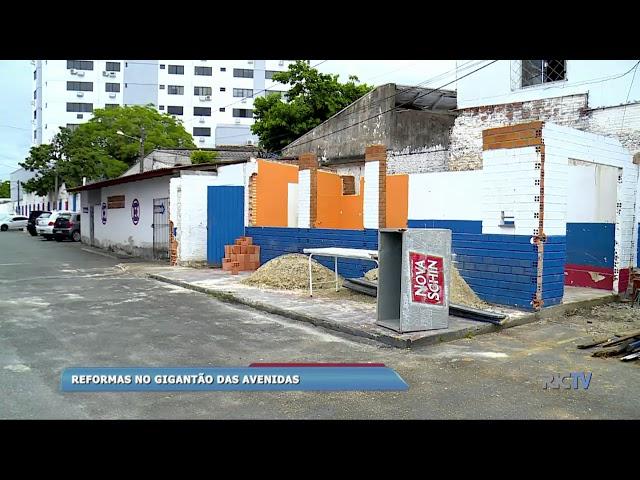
(253, 199)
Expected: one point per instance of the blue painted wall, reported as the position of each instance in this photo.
(279, 241)
(501, 269)
(590, 244)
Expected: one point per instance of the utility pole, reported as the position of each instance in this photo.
(141, 160)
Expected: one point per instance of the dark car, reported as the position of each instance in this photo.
(67, 226)
(31, 223)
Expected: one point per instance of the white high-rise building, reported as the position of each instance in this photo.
(213, 98)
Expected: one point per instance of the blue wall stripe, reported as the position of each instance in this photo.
(456, 226)
(591, 244)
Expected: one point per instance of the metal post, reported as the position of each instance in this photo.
(336, 268)
(141, 154)
(310, 279)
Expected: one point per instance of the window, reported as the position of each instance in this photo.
(176, 69)
(35, 74)
(202, 111)
(242, 113)
(35, 114)
(161, 107)
(111, 105)
(172, 110)
(161, 87)
(242, 73)
(348, 184)
(80, 64)
(243, 92)
(72, 126)
(222, 89)
(35, 134)
(113, 67)
(206, 71)
(201, 131)
(80, 86)
(111, 87)
(268, 74)
(79, 107)
(35, 94)
(536, 72)
(202, 90)
(161, 66)
(274, 92)
(175, 89)
(222, 109)
(223, 69)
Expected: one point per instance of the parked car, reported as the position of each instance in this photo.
(67, 226)
(13, 222)
(31, 223)
(44, 225)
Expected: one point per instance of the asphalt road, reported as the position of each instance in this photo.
(61, 306)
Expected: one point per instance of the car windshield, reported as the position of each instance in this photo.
(66, 216)
(45, 215)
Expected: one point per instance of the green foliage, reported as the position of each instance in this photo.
(5, 189)
(312, 98)
(94, 149)
(203, 156)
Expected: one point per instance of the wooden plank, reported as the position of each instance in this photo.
(612, 351)
(622, 339)
(594, 343)
(633, 356)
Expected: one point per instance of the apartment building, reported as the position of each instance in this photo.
(213, 98)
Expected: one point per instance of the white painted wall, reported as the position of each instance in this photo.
(371, 194)
(119, 231)
(601, 79)
(292, 205)
(446, 196)
(189, 194)
(592, 193)
(563, 143)
(304, 198)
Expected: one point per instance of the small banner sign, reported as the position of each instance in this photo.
(115, 201)
(427, 278)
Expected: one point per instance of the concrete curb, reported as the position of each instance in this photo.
(390, 340)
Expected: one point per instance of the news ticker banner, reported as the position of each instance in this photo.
(256, 377)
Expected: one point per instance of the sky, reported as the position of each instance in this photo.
(16, 92)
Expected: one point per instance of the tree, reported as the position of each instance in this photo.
(5, 189)
(203, 156)
(312, 98)
(94, 149)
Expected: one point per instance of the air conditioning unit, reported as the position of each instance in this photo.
(281, 62)
(201, 140)
(249, 142)
(237, 120)
(73, 71)
(105, 73)
(250, 62)
(79, 94)
(80, 73)
(205, 98)
(112, 74)
(201, 120)
(112, 95)
(244, 100)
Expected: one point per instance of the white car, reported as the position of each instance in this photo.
(13, 222)
(44, 223)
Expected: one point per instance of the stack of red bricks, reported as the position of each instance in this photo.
(243, 256)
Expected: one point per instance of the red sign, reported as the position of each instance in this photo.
(427, 278)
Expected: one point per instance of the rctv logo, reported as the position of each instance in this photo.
(427, 278)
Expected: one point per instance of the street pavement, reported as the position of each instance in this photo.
(62, 306)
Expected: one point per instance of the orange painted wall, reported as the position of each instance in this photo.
(334, 209)
(397, 201)
(273, 191)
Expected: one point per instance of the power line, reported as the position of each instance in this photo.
(624, 111)
(17, 128)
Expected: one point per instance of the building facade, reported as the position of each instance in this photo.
(213, 98)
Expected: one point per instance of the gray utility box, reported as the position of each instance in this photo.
(413, 279)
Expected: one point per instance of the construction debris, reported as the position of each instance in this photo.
(461, 292)
(241, 256)
(627, 345)
(291, 272)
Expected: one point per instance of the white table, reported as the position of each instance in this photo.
(336, 252)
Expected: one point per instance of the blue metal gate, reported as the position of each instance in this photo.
(225, 220)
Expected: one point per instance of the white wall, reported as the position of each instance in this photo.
(371, 194)
(189, 210)
(292, 205)
(445, 196)
(304, 198)
(119, 231)
(592, 193)
(493, 84)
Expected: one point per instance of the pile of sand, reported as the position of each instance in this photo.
(291, 272)
(461, 293)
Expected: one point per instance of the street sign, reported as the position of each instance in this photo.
(158, 208)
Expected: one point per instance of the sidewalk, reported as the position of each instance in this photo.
(338, 312)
